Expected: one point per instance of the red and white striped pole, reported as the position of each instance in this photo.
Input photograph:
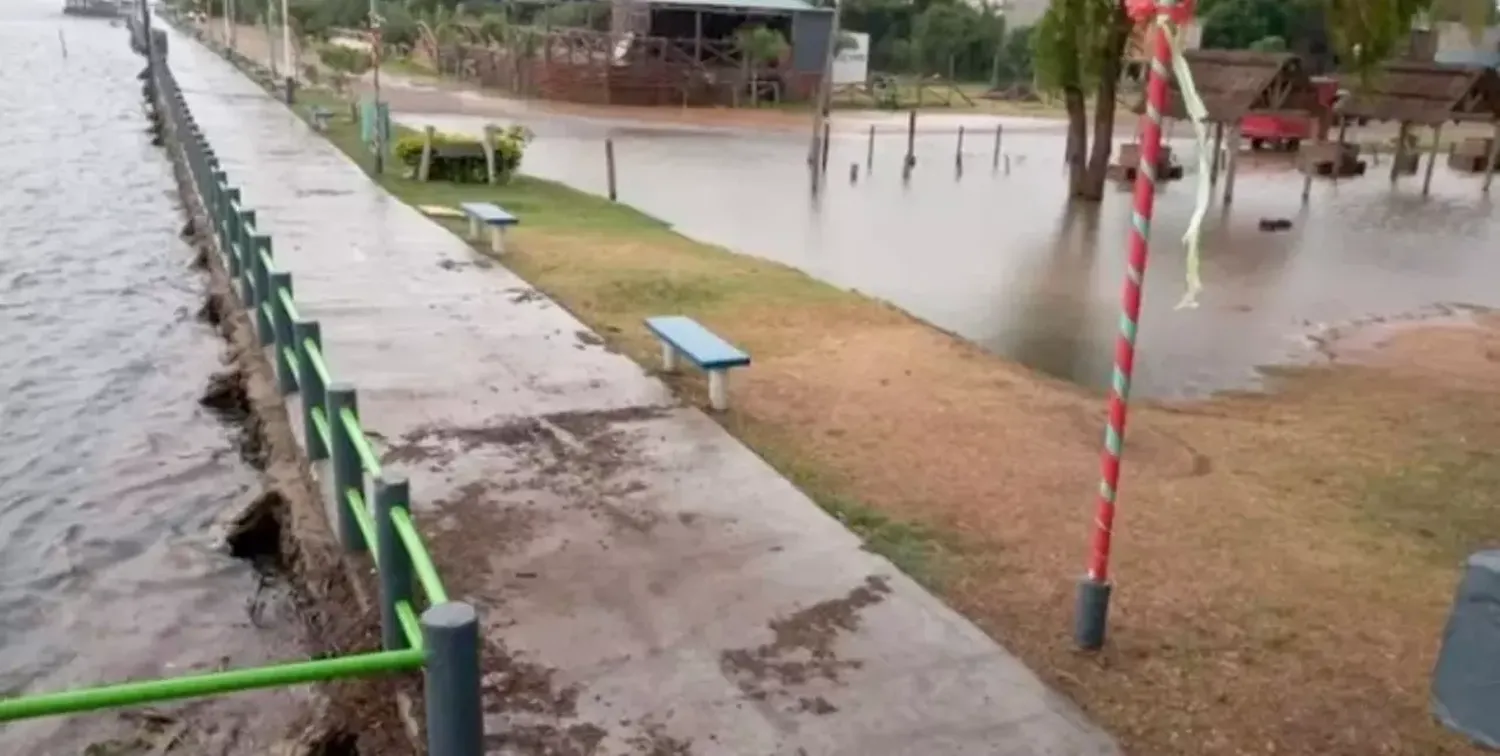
(1092, 613)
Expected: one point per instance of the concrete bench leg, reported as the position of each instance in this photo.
(668, 358)
(473, 227)
(497, 239)
(718, 390)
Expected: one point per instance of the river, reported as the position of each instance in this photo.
(112, 478)
(998, 257)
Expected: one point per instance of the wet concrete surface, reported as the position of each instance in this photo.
(999, 258)
(112, 478)
(648, 585)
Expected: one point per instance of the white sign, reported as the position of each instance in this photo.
(852, 65)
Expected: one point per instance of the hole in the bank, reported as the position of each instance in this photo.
(335, 743)
(227, 398)
(212, 311)
(256, 533)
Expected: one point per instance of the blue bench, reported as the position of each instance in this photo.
(493, 216)
(683, 335)
(320, 117)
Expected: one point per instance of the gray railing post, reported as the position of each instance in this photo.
(261, 272)
(232, 225)
(455, 717)
(244, 258)
(281, 326)
(221, 210)
(392, 493)
(347, 472)
(314, 393)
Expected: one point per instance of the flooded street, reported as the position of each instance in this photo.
(999, 258)
(111, 475)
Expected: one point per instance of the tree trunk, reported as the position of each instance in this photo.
(1097, 172)
(1078, 137)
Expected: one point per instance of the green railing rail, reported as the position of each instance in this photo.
(373, 503)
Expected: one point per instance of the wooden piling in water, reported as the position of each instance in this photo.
(1437, 136)
(911, 140)
(609, 167)
(999, 134)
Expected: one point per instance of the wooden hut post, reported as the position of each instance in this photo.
(1213, 169)
(1234, 161)
(1489, 165)
(698, 37)
(1400, 150)
(1437, 137)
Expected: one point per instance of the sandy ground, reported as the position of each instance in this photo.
(1284, 560)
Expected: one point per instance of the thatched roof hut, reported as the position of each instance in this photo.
(1427, 94)
(1234, 83)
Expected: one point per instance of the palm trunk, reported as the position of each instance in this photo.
(1104, 109)
(1078, 137)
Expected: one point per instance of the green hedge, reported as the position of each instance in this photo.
(510, 146)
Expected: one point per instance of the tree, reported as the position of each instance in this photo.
(1078, 48)
(758, 46)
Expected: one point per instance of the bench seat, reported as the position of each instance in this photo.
(681, 335)
(492, 216)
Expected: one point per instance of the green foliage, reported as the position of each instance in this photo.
(1070, 43)
(344, 59)
(760, 45)
(929, 36)
(510, 147)
(586, 14)
(1272, 43)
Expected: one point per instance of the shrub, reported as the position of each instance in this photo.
(468, 166)
(345, 59)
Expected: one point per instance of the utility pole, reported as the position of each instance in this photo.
(379, 123)
(286, 43)
(270, 38)
(824, 97)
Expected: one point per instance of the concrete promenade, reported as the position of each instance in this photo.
(647, 584)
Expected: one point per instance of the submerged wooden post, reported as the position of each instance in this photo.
(489, 153)
(1437, 137)
(958, 155)
(1396, 159)
(1234, 162)
(823, 160)
(425, 167)
(1489, 164)
(870, 152)
(609, 166)
(999, 133)
(911, 140)
(1213, 169)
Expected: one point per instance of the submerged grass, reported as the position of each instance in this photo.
(1283, 561)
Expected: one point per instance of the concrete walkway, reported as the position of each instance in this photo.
(648, 585)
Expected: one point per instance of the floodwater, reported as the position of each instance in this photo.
(999, 257)
(111, 475)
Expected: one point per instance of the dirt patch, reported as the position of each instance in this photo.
(1251, 526)
(227, 396)
(802, 649)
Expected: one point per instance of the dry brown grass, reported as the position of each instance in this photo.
(1284, 561)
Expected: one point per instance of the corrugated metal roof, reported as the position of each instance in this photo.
(763, 6)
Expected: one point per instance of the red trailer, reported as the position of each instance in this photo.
(1286, 132)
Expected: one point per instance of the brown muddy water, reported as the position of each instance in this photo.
(112, 477)
(999, 258)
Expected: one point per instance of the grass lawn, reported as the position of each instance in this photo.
(1284, 561)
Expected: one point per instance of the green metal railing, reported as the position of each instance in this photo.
(442, 640)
